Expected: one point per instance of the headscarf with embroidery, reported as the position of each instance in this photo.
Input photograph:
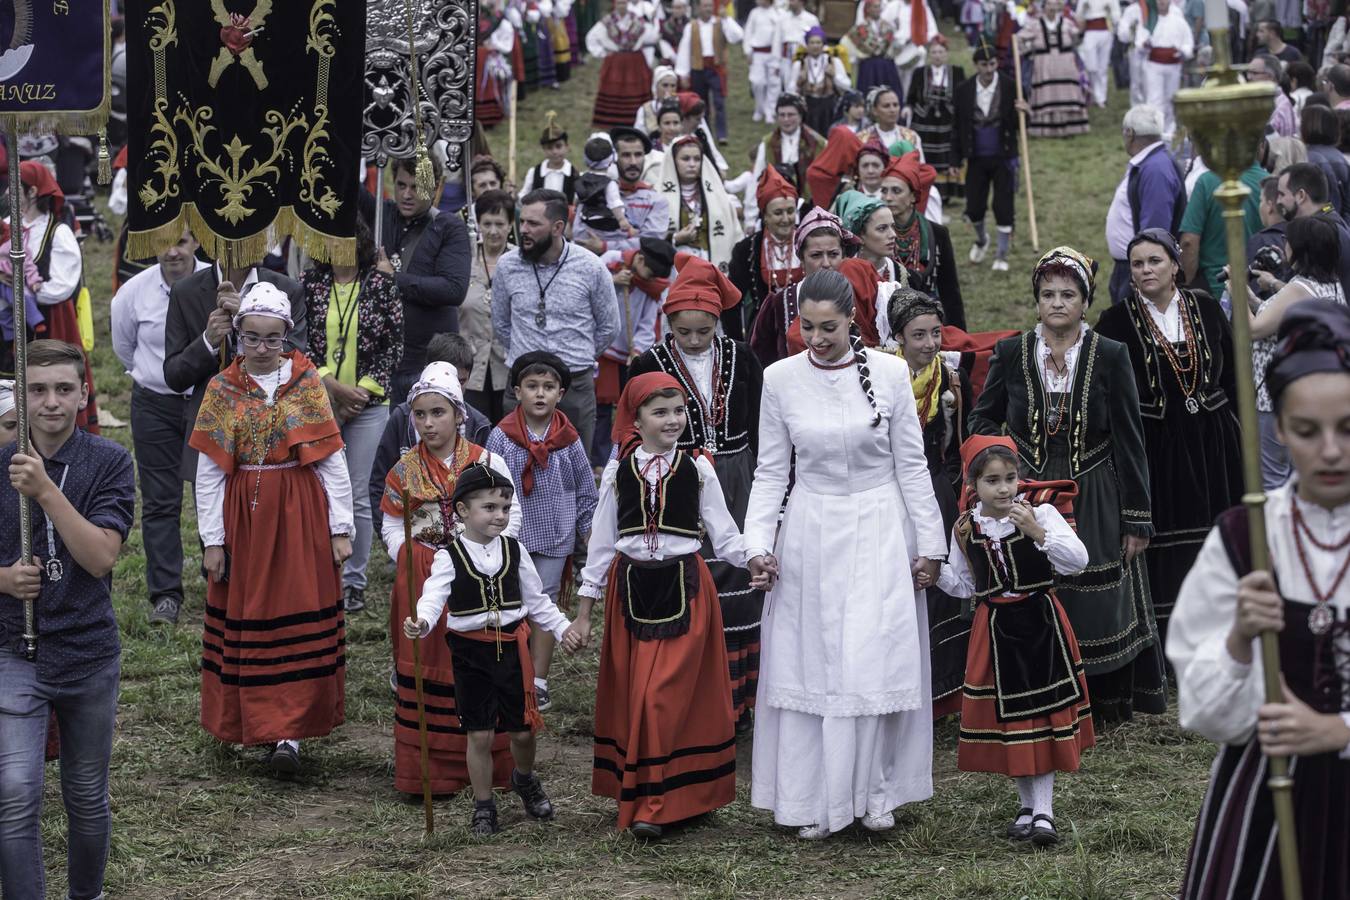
(1314, 337)
(440, 378)
(854, 208)
(265, 299)
(1082, 268)
(816, 220)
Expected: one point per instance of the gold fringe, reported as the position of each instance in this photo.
(78, 121)
(321, 247)
(425, 174)
(104, 161)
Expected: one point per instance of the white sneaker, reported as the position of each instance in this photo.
(813, 833)
(1000, 265)
(883, 822)
(978, 251)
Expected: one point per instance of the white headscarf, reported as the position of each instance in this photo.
(265, 299)
(441, 378)
(6, 396)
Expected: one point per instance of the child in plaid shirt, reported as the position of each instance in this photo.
(557, 486)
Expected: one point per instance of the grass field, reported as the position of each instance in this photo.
(192, 818)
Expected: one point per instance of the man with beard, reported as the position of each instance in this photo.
(429, 256)
(1302, 191)
(645, 208)
(791, 144)
(552, 295)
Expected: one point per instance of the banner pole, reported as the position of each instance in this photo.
(16, 260)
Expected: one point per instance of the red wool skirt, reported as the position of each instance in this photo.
(446, 741)
(273, 663)
(62, 324)
(1031, 746)
(625, 84)
(490, 108)
(665, 739)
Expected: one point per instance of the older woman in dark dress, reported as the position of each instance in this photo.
(1067, 396)
(1181, 349)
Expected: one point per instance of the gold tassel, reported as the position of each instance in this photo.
(104, 161)
(425, 174)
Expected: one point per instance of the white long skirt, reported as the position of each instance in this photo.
(829, 770)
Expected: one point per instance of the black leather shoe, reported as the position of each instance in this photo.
(537, 805)
(1044, 837)
(353, 600)
(165, 611)
(285, 759)
(1021, 832)
(647, 831)
(484, 822)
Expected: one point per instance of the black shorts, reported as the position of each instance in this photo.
(489, 692)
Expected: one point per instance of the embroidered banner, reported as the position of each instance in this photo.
(54, 73)
(244, 125)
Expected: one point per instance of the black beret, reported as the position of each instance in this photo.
(479, 477)
(540, 358)
(660, 255)
(629, 133)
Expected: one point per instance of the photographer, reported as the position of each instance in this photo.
(1269, 238)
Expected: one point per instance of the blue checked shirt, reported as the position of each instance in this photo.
(559, 508)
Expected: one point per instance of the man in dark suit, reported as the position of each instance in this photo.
(984, 137)
(430, 257)
(201, 310)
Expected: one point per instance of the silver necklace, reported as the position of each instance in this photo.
(55, 571)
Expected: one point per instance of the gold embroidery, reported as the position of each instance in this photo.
(163, 22)
(315, 152)
(246, 57)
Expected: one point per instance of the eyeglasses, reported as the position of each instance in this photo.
(252, 341)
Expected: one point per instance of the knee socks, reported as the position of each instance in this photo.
(981, 234)
(1036, 793)
(1004, 241)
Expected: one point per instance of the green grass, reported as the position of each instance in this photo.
(192, 818)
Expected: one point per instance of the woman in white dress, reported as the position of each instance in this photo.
(843, 725)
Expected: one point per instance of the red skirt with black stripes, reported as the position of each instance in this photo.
(447, 742)
(273, 648)
(665, 738)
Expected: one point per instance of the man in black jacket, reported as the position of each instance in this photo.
(985, 138)
(429, 256)
(201, 311)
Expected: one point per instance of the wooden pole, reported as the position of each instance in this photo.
(511, 128)
(16, 260)
(1023, 148)
(628, 320)
(408, 578)
(227, 272)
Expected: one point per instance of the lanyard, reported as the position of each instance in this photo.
(541, 315)
(55, 571)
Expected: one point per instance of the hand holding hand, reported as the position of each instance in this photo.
(412, 630)
(20, 581)
(1293, 728)
(213, 561)
(925, 572)
(29, 476)
(763, 572)
(573, 639)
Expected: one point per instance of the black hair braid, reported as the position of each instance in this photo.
(864, 373)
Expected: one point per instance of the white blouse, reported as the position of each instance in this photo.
(332, 472)
(1066, 551)
(700, 366)
(1169, 320)
(1217, 696)
(605, 541)
(487, 558)
(66, 265)
(1054, 382)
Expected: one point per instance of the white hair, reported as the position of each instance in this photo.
(1144, 121)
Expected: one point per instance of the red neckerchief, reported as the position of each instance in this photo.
(625, 188)
(561, 435)
(652, 287)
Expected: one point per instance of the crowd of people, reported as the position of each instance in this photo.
(745, 413)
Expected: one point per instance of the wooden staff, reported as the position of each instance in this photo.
(417, 663)
(1022, 147)
(628, 321)
(16, 260)
(511, 136)
(227, 265)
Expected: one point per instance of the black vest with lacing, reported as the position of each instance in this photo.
(671, 507)
(1022, 569)
(474, 592)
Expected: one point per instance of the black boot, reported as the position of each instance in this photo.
(537, 804)
(484, 821)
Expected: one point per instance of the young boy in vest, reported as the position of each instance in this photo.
(557, 487)
(556, 172)
(82, 493)
(485, 585)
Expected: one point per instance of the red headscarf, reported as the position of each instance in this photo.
(36, 175)
(918, 22)
(977, 444)
(834, 162)
(637, 392)
(1060, 494)
(873, 146)
(914, 172)
(688, 101)
(700, 286)
(773, 186)
(864, 278)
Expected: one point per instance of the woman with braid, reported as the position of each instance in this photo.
(843, 716)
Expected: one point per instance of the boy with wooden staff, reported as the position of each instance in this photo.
(485, 585)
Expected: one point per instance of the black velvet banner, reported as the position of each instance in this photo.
(245, 124)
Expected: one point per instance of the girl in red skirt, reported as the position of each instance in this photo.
(427, 473)
(275, 515)
(665, 738)
(1024, 709)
